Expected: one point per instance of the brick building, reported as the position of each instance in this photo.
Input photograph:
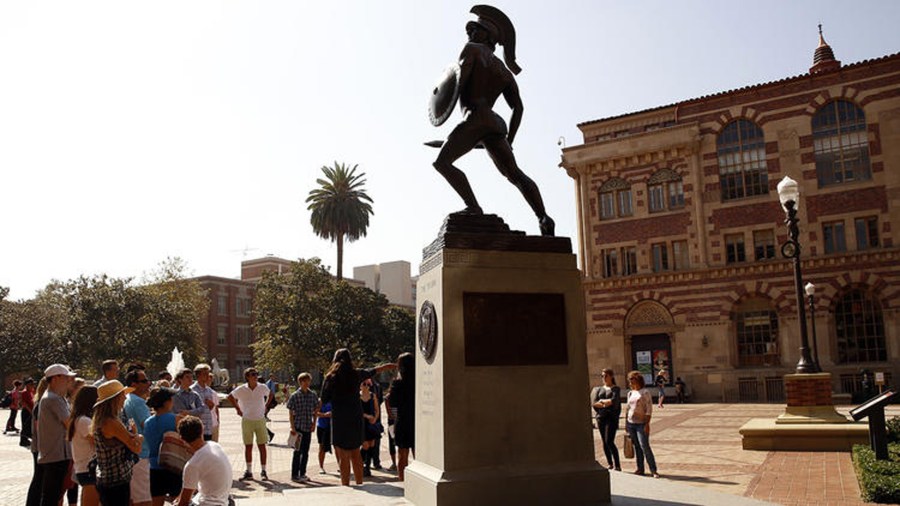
(228, 327)
(680, 230)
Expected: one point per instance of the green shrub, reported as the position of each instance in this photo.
(893, 429)
(879, 480)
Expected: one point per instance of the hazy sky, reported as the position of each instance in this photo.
(133, 131)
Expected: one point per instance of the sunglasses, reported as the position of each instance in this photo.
(253, 374)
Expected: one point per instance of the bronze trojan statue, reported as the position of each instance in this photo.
(476, 82)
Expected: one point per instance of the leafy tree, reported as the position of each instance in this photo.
(86, 320)
(32, 335)
(302, 316)
(340, 208)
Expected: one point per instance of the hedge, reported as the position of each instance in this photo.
(879, 480)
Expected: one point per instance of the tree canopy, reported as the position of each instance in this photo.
(340, 208)
(304, 315)
(86, 320)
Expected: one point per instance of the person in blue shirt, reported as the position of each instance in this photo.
(186, 400)
(137, 412)
(323, 433)
(163, 482)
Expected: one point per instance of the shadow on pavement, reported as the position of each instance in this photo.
(697, 479)
(623, 500)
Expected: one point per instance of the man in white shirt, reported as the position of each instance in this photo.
(208, 470)
(249, 400)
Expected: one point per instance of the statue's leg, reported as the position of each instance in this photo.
(461, 140)
(501, 153)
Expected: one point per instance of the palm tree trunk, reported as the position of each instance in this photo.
(340, 260)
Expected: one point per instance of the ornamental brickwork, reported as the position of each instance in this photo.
(688, 278)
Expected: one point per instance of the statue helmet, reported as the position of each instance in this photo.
(501, 30)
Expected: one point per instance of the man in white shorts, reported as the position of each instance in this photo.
(249, 400)
(208, 470)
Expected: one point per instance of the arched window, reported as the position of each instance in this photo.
(665, 190)
(742, 160)
(860, 329)
(756, 325)
(840, 143)
(615, 199)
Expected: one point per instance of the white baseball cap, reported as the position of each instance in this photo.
(58, 370)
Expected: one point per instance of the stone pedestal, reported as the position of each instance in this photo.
(809, 400)
(809, 421)
(502, 415)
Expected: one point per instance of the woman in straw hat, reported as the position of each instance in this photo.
(117, 447)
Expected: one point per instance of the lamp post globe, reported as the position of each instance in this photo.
(789, 196)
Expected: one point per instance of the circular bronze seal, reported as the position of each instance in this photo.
(428, 330)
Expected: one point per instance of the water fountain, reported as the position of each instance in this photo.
(177, 362)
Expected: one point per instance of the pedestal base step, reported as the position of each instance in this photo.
(561, 484)
(766, 434)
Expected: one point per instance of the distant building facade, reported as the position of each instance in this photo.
(392, 279)
(680, 231)
(228, 326)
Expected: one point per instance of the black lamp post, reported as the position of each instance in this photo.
(789, 195)
(810, 293)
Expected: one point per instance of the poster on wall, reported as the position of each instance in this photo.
(661, 365)
(644, 361)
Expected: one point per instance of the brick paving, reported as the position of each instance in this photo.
(694, 444)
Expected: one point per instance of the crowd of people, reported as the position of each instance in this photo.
(143, 442)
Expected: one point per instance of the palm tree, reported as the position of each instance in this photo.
(340, 208)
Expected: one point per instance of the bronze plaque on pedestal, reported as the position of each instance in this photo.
(515, 329)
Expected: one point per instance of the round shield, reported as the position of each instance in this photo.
(444, 96)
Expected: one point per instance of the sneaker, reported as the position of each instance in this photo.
(393, 467)
(263, 475)
(296, 479)
(303, 478)
(322, 470)
(367, 472)
(247, 475)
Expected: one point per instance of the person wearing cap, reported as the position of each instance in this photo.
(163, 482)
(137, 412)
(249, 401)
(116, 446)
(210, 416)
(54, 450)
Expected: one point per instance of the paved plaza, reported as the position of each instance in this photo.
(696, 445)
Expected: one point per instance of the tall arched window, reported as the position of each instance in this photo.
(756, 325)
(860, 329)
(840, 143)
(742, 160)
(615, 199)
(665, 190)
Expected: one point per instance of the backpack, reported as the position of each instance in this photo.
(7, 400)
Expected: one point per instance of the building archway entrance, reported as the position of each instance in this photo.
(649, 329)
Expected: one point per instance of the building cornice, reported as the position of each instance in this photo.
(636, 149)
(739, 272)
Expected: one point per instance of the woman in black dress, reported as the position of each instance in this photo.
(402, 396)
(607, 406)
(341, 388)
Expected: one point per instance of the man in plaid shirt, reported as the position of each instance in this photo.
(302, 405)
